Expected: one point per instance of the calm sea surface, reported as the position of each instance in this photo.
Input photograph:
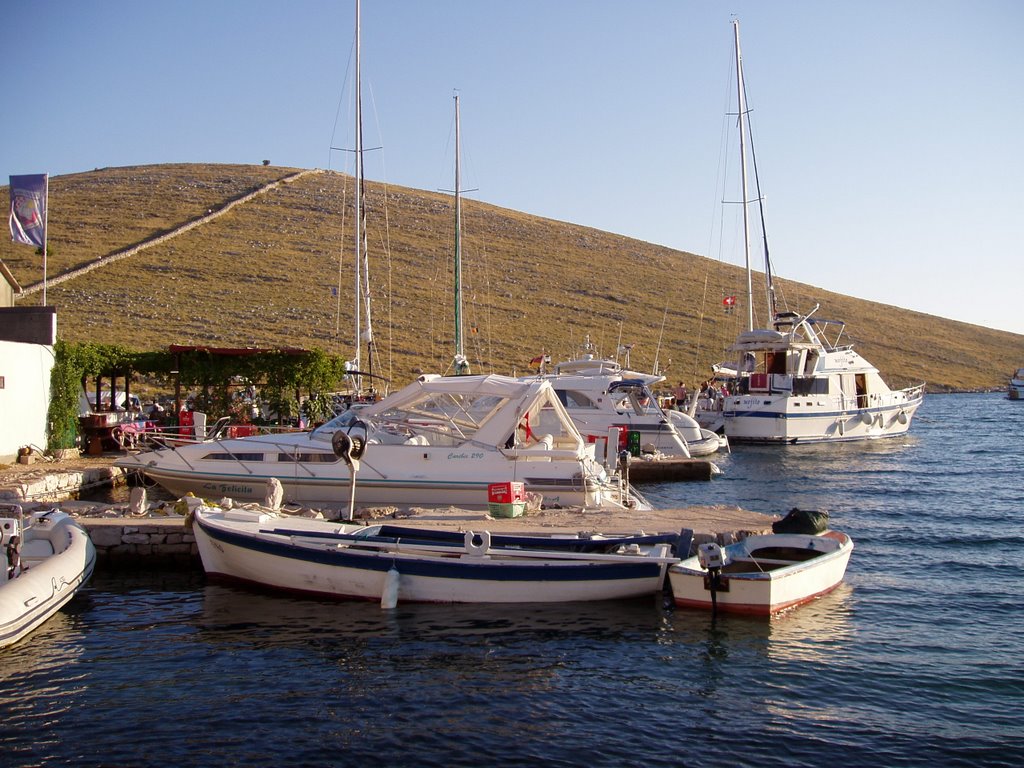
(917, 659)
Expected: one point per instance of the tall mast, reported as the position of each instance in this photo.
(741, 107)
(362, 263)
(461, 365)
(359, 190)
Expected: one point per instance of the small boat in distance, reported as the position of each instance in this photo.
(391, 565)
(1016, 389)
(761, 574)
(45, 557)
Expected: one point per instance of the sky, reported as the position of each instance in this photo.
(888, 132)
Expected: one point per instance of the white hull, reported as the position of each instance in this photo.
(430, 477)
(438, 442)
(1016, 388)
(794, 419)
(599, 397)
(57, 559)
(746, 589)
(243, 547)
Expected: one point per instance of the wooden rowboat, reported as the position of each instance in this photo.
(762, 574)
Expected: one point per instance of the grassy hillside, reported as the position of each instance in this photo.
(262, 275)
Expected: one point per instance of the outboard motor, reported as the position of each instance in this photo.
(10, 547)
(712, 556)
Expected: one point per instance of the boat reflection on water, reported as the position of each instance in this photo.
(236, 616)
(806, 633)
(41, 675)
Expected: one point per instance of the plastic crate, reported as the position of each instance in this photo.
(514, 509)
(506, 493)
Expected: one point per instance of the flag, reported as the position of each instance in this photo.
(537, 361)
(28, 209)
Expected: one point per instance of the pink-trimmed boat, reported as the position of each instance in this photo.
(762, 574)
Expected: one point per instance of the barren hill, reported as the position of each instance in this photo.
(276, 269)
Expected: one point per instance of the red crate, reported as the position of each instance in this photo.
(505, 493)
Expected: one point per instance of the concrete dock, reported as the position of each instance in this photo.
(156, 535)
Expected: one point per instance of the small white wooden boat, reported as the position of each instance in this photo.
(338, 560)
(46, 558)
(761, 574)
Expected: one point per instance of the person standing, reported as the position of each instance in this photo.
(681, 396)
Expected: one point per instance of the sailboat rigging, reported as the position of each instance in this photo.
(460, 362)
(361, 272)
(745, 136)
(362, 265)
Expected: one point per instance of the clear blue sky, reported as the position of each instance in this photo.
(889, 132)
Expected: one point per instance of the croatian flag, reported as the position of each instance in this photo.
(28, 209)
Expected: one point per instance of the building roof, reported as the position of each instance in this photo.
(9, 277)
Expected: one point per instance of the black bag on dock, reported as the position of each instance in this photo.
(802, 521)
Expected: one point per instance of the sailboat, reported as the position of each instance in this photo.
(439, 441)
(793, 382)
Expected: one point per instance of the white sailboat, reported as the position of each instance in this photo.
(793, 382)
(439, 441)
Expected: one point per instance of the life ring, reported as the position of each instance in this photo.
(474, 549)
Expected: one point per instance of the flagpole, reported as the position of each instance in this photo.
(46, 218)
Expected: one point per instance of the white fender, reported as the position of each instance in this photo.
(389, 595)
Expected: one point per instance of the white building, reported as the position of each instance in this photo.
(27, 336)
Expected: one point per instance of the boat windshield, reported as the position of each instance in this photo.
(628, 397)
(433, 418)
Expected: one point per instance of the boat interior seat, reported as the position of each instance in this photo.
(543, 443)
(417, 440)
(34, 551)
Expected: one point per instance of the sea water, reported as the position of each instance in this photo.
(916, 659)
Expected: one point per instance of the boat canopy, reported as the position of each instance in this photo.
(487, 409)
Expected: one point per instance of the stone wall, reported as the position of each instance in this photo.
(121, 542)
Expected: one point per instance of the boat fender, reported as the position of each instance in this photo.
(902, 417)
(473, 547)
(867, 418)
(389, 595)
